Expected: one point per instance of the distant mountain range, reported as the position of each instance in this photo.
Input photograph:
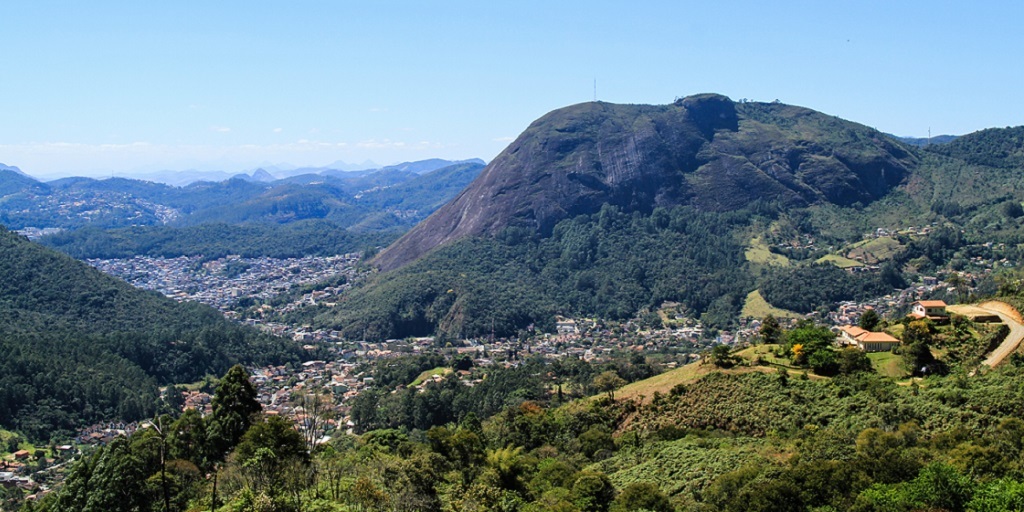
(271, 172)
(394, 197)
(11, 168)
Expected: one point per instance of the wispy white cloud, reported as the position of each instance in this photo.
(220, 129)
(503, 139)
(278, 130)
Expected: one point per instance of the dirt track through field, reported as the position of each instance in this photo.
(1012, 318)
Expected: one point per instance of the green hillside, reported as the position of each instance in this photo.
(600, 265)
(719, 199)
(215, 240)
(695, 439)
(80, 346)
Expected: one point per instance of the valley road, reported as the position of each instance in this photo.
(1010, 316)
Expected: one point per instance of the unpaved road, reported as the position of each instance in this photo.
(1012, 318)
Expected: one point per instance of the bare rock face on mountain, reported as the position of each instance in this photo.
(703, 150)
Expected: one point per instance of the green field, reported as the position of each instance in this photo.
(756, 307)
(440, 370)
(839, 261)
(875, 250)
(758, 253)
(888, 364)
(6, 444)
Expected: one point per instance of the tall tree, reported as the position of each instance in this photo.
(869, 320)
(234, 404)
(771, 331)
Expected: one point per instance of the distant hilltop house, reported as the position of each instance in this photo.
(566, 325)
(868, 341)
(931, 309)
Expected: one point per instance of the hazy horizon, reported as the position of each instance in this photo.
(125, 87)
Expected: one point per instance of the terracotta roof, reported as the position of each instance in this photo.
(877, 337)
(863, 335)
(932, 303)
(853, 330)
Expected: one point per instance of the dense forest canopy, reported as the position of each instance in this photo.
(80, 346)
(598, 265)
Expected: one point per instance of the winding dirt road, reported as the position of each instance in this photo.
(1010, 316)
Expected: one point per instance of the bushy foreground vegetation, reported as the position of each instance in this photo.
(733, 440)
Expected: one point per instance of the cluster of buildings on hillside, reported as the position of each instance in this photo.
(871, 341)
(222, 282)
(34, 473)
(73, 207)
(33, 233)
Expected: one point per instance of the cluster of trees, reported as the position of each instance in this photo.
(813, 346)
(164, 466)
(526, 457)
(393, 404)
(806, 288)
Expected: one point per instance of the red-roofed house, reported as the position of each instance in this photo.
(866, 340)
(933, 309)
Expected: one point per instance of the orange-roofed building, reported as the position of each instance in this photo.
(866, 340)
(933, 309)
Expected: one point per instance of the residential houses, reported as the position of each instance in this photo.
(868, 341)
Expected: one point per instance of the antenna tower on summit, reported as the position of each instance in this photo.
(595, 89)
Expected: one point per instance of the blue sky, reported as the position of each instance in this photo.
(116, 87)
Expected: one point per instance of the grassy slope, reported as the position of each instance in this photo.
(758, 253)
(888, 364)
(426, 374)
(756, 306)
(875, 250)
(839, 261)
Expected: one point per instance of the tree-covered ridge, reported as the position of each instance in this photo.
(292, 240)
(993, 147)
(81, 346)
(601, 265)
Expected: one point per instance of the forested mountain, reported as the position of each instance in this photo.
(703, 151)
(610, 210)
(80, 346)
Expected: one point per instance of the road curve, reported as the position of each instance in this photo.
(1012, 318)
